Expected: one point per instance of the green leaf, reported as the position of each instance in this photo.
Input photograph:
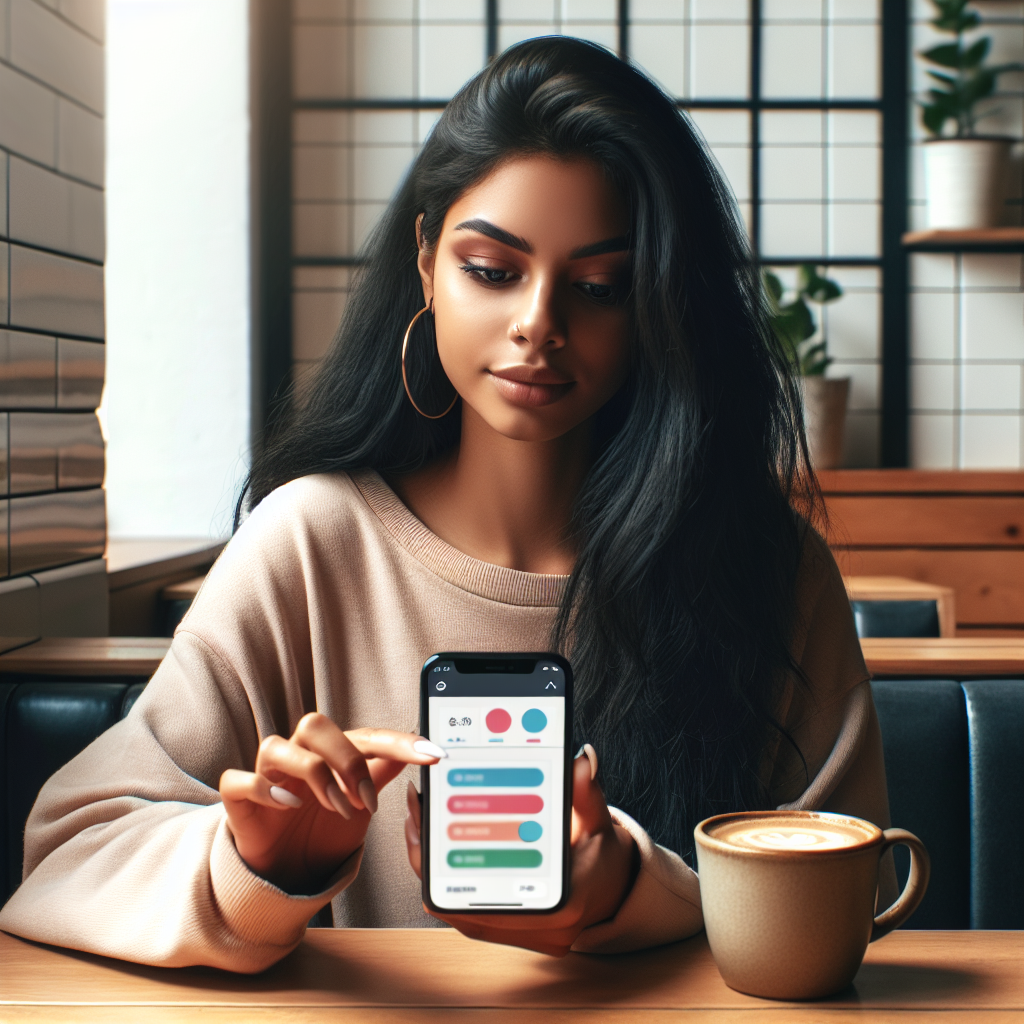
(815, 360)
(975, 54)
(981, 85)
(941, 76)
(949, 55)
(957, 23)
(773, 286)
(933, 117)
(794, 323)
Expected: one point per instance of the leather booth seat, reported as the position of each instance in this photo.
(953, 755)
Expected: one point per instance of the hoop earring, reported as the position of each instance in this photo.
(405, 379)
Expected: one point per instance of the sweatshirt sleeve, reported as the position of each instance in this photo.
(127, 849)
(833, 722)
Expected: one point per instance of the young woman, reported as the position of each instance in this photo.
(588, 440)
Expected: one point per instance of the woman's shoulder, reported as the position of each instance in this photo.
(323, 514)
(825, 643)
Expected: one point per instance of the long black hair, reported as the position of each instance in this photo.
(679, 612)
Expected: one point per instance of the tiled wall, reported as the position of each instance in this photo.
(967, 310)
(52, 509)
(820, 176)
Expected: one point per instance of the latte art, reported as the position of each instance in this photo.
(782, 836)
(791, 839)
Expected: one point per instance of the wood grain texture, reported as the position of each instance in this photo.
(88, 656)
(989, 585)
(921, 481)
(923, 520)
(965, 236)
(427, 968)
(957, 656)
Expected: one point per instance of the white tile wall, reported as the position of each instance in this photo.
(820, 183)
(4, 159)
(53, 293)
(51, 274)
(812, 49)
(28, 116)
(79, 143)
(56, 52)
(318, 301)
(55, 212)
(693, 48)
(967, 360)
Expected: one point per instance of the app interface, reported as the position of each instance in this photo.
(496, 803)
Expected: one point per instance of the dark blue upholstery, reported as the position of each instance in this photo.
(995, 728)
(924, 733)
(896, 618)
(954, 756)
(46, 725)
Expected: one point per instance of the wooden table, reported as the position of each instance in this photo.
(383, 976)
(965, 657)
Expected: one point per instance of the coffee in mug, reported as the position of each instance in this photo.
(789, 897)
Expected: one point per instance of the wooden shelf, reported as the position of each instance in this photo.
(984, 239)
(87, 656)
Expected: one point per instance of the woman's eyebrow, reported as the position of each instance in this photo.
(485, 227)
(619, 244)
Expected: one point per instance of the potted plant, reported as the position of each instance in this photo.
(966, 174)
(825, 398)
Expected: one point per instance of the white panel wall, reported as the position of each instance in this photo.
(967, 311)
(178, 375)
(51, 308)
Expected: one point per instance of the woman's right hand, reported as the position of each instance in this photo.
(306, 807)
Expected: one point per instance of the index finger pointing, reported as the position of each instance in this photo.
(395, 746)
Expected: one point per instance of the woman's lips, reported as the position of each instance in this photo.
(526, 387)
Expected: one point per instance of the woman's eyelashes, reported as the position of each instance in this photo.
(495, 277)
(490, 276)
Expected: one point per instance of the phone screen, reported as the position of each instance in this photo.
(496, 811)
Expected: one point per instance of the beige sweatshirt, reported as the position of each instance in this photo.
(330, 597)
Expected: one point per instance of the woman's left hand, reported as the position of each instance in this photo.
(603, 859)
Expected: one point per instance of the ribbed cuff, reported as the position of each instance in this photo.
(256, 911)
(663, 905)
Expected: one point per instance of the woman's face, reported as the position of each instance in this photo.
(529, 279)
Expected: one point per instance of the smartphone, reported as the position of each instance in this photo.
(496, 811)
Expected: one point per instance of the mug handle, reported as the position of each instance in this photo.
(917, 883)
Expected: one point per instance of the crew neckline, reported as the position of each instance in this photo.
(494, 582)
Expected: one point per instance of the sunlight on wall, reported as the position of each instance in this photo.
(176, 406)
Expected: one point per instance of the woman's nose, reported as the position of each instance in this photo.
(540, 323)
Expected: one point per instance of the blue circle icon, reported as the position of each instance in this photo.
(534, 720)
(530, 831)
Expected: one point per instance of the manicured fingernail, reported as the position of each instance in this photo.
(430, 749)
(592, 758)
(411, 832)
(368, 795)
(338, 801)
(579, 753)
(284, 797)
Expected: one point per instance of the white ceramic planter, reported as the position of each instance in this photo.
(966, 181)
(825, 401)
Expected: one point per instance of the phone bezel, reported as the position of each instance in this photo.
(566, 773)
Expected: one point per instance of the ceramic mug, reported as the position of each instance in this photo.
(789, 897)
